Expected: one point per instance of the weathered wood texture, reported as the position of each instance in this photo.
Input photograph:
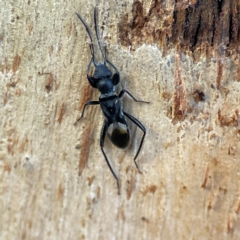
(181, 56)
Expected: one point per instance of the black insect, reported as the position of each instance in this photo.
(115, 124)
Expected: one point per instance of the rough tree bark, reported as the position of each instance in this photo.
(183, 57)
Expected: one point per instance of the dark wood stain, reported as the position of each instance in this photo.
(228, 120)
(61, 113)
(204, 184)
(195, 27)
(150, 189)
(16, 63)
(179, 98)
(85, 148)
(87, 93)
(49, 82)
(219, 74)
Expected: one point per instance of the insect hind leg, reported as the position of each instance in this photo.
(139, 124)
(102, 138)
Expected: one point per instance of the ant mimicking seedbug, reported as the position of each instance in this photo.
(115, 124)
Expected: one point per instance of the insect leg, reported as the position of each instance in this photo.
(117, 72)
(86, 104)
(89, 66)
(116, 75)
(125, 91)
(139, 124)
(91, 79)
(102, 138)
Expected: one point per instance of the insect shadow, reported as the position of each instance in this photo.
(115, 124)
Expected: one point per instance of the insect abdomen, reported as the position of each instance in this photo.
(119, 135)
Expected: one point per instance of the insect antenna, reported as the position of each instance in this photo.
(96, 30)
(99, 44)
(90, 35)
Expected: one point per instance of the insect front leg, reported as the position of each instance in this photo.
(116, 75)
(139, 124)
(91, 80)
(86, 104)
(102, 138)
(125, 91)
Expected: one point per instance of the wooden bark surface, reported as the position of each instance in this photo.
(181, 56)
